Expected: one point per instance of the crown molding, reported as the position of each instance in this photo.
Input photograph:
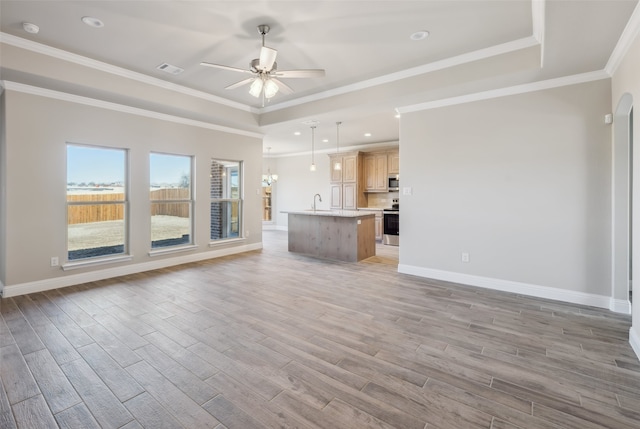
(539, 24)
(628, 36)
(469, 57)
(40, 48)
(360, 148)
(507, 91)
(63, 96)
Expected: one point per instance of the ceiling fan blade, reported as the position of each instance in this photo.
(239, 84)
(284, 88)
(300, 73)
(267, 58)
(219, 66)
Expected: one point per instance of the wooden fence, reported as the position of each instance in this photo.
(99, 212)
(178, 209)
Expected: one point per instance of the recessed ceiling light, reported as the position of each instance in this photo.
(419, 35)
(325, 140)
(367, 134)
(92, 22)
(297, 133)
(30, 28)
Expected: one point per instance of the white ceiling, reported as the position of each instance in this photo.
(354, 41)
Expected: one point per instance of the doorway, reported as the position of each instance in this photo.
(622, 205)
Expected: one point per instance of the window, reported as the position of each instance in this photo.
(226, 199)
(171, 200)
(96, 202)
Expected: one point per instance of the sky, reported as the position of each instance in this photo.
(102, 165)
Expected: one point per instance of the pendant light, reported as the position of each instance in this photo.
(269, 178)
(313, 162)
(337, 165)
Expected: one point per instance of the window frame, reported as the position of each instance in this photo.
(154, 251)
(240, 199)
(125, 255)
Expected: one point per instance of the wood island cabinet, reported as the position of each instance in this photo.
(378, 221)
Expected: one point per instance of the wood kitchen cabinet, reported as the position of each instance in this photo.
(375, 172)
(393, 162)
(346, 183)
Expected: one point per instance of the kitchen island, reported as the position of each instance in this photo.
(343, 235)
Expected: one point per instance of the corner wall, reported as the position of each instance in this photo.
(522, 184)
(3, 188)
(625, 81)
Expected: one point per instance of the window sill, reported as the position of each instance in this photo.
(160, 252)
(94, 262)
(226, 241)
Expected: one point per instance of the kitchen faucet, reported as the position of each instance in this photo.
(314, 201)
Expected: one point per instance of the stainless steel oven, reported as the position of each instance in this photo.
(391, 226)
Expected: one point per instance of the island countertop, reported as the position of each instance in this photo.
(330, 213)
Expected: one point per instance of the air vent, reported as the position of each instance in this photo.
(165, 67)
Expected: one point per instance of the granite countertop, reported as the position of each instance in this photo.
(332, 213)
(371, 208)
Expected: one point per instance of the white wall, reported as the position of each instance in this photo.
(522, 183)
(37, 130)
(625, 80)
(297, 185)
(3, 193)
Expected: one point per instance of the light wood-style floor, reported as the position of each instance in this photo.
(277, 340)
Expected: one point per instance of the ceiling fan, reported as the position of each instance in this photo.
(265, 79)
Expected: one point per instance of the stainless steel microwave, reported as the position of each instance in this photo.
(394, 182)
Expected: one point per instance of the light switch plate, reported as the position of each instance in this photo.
(407, 191)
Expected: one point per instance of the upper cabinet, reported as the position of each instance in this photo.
(360, 173)
(377, 168)
(346, 183)
(393, 162)
(350, 168)
(375, 171)
(348, 171)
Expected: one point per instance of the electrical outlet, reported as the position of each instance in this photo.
(54, 261)
(465, 257)
(246, 233)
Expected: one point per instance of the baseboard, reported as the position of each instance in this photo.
(92, 276)
(634, 340)
(509, 286)
(620, 306)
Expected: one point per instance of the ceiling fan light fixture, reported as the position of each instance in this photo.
(256, 87)
(270, 88)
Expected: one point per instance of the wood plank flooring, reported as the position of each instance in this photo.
(271, 339)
